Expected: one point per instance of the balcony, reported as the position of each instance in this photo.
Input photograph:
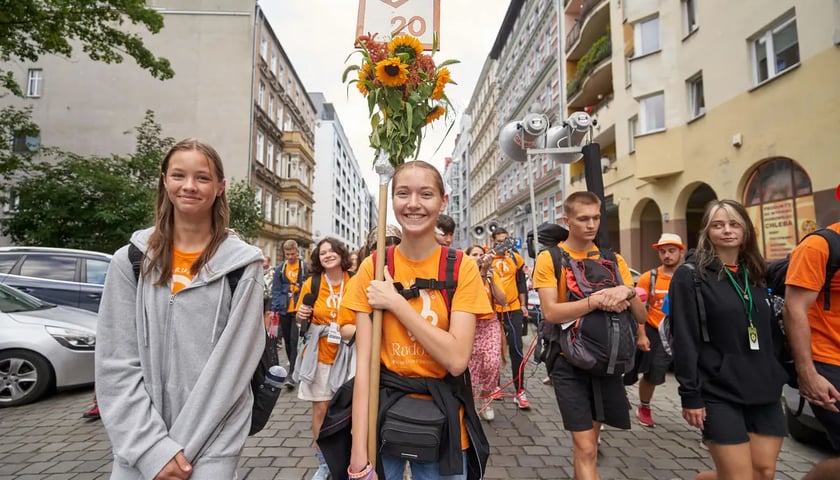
(593, 76)
(660, 155)
(295, 140)
(593, 19)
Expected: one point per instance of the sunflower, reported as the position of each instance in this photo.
(392, 72)
(441, 81)
(405, 44)
(364, 74)
(435, 113)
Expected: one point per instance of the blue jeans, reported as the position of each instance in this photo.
(395, 466)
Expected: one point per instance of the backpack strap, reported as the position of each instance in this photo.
(135, 256)
(559, 260)
(701, 305)
(652, 289)
(315, 285)
(832, 265)
(447, 281)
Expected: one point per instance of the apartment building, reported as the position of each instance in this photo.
(483, 155)
(234, 87)
(456, 176)
(342, 206)
(283, 139)
(703, 100)
(527, 76)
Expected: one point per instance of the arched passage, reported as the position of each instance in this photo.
(694, 209)
(648, 217)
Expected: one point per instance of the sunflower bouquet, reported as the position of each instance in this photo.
(404, 90)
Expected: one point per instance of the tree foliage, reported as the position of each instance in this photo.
(31, 28)
(92, 203)
(15, 126)
(245, 214)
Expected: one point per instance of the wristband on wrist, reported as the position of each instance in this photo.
(365, 473)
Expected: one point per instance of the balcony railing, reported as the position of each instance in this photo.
(574, 34)
(601, 49)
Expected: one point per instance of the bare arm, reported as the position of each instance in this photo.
(496, 290)
(813, 386)
(562, 312)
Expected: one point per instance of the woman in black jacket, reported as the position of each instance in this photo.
(725, 345)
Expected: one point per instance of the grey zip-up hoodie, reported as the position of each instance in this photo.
(173, 372)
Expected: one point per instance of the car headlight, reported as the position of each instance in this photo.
(73, 339)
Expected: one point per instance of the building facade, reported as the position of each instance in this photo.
(456, 175)
(528, 78)
(283, 142)
(341, 209)
(693, 105)
(483, 155)
(233, 87)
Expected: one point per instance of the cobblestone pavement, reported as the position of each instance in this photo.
(49, 440)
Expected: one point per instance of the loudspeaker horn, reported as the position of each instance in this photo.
(478, 232)
(558, 136)
(492, 226)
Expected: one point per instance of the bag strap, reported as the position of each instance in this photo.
(447, 281)
(652, 289)
(832, 238)
(559, 260)
(135, 256)
(701, 305)
(315, 286)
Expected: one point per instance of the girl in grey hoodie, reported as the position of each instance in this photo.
(176, 348)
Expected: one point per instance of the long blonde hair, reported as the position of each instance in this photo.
(748, 252)
(161, 241)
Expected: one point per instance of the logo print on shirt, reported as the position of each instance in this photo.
(501, 266)
(426, 312)
(332, 302)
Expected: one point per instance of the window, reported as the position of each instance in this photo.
(260, 143)
(652, 113)
(646, 38)
(264, 47)
(7, 261)
(261, 95)
(633, 129)
(95, 271)
(258, 194)
(34, 82)
(269, 156)
(22, 143)
(696, 101)
(273, 65)
(775, 50)
(50, 267)
(10, 204)
(269, 203)
(689, 13)
(270, 105)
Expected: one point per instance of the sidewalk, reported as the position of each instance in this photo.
(50, 440)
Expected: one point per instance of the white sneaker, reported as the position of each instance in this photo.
(488, 414)
(323, 472)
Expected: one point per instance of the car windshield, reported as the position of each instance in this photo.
(13, 300)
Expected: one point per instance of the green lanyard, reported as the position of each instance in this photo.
(742, 294)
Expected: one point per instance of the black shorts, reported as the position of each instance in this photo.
(575, 392)
(830, 420)
(266, 304)
(654, 363)
(729, 423)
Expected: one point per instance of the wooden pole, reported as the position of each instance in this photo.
(385, 174)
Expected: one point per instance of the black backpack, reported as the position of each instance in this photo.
(601, 343)
(775, 278)
(265, 396)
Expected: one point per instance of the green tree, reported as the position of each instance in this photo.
(31, 28)
(92, 203)
(246, 217)
(16, 126)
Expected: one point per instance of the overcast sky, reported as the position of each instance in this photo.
(318, 35)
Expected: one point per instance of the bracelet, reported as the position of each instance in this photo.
(632, 292)
(367, 471)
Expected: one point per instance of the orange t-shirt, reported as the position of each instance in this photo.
(504, 273)
(292, 272)
(663, 282)
(807, 270)
(325, 311)
(181, 264)
(544, 276)
(401, 352)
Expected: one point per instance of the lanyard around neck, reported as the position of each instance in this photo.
(744, 294)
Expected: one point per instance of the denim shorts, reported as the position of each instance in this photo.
(394, 468)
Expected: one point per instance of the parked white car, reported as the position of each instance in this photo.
(43, 347)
